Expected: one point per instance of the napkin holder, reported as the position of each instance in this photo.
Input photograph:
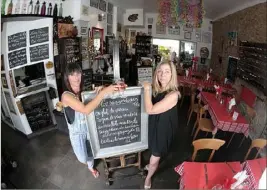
(235, 116)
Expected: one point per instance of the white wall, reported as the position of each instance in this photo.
(206, 26)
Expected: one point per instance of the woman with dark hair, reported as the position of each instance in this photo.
(75, 113)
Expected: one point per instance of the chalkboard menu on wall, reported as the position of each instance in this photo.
(118, 125)
(17, 58)
(39, 35)
(16, 41)
(39, 53)
(87, 78)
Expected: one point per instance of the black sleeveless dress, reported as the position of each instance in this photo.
(162, 128)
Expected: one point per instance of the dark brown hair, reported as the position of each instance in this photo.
(70, 69)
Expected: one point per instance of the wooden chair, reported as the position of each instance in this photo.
(251, 115)
(193, 107)
(257, 143)
(212, 144)
(204, 124)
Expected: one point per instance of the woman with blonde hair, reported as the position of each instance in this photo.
(163, 116)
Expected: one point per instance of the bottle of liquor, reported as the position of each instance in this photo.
(24, 7)
(55, 11)
(17, 7)
(49, 9)
(37, 7)
(30, 8)
(43, 9)
(3, 7)
(10, 7)
(60, 10)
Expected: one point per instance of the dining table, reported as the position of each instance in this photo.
(206, 175)
(255, 169)
(221, 118)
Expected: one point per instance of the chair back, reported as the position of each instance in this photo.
(212, 144)
(257, 143)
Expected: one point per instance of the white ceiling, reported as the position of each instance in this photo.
(214, 8)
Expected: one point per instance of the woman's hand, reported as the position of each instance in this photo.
(110, 89)
(146, 85)
(98, 89)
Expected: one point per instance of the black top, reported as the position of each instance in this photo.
(162, 128)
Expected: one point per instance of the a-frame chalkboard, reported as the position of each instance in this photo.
(119, 125)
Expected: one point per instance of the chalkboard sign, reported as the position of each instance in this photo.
(145, 74)
(232, 68)
(39, 35)
(119, 124)
(17, 58)
(39, 53)
(87, 78)
(16, 41)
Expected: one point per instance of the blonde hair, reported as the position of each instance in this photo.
(173, 83)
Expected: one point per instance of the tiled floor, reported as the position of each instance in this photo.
(48, 162)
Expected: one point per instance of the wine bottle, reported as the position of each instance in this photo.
(24, 7)
(37, 7)
(30, 8)
(3, 8)
(49, 9)
(17, 7)
(55, 11)
(43, 9)
(60, 10)
(10, 7)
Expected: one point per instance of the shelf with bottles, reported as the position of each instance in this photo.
(29, 9)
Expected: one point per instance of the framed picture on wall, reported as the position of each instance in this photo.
(198, 35)
(206, 37)
(109, 30)
(160, 29)
(94, 3)
(109, 18)
(187, 35)
(102, 5)
(149, 20)
(110, 8)
(174, 30)
(188, 28)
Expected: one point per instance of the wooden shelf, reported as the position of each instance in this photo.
(23, 17)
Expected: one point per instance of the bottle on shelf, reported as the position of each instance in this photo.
(3, 7)
(10, 7)
(49, 9)
(17, 7)
(55, 11)
(43, 9)
(60, 10)
(37, 7)
(24, 7)
(30, 8)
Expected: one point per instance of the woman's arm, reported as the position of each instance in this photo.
(162, 106)
(77, 105)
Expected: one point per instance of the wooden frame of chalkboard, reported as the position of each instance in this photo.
(119, 125)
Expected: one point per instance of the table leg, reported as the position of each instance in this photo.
(231, 139)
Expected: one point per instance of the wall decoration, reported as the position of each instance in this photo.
(149, 20)
(85, 10)
(149, 30)
(188, 28)
(160, 29)
(4, 81)
(94, 3)
(39, 53)
(103, 5)
(174, 30)
(198, 35)
(133, 17)
(84, 31)
(110, 8)
(65, 30)
(16, 41)
(17, 58)
(39, 35)
(232, 38)
(119, 27)
(109, 19)
(187, 35)
(206, 37)
(132, 37)
(9, 103)
(181, 11)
